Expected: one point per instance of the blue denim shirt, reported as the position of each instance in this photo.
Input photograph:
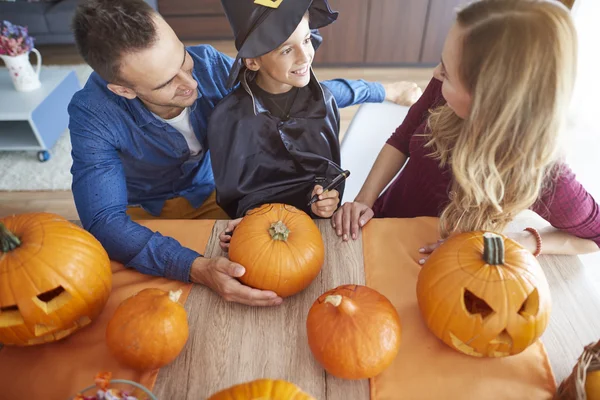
(123, 155)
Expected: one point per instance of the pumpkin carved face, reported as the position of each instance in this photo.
(484, 295)
(54, 278)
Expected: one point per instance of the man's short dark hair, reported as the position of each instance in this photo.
(106, 29)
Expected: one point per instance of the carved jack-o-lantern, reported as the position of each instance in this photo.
(54, 278)
(484, 295)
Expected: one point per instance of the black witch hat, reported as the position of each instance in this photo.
(261, 26)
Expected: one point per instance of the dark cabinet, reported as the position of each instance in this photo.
(345, 40)
(196, 19)
(441, 17)
(395, 31)
(367, 32)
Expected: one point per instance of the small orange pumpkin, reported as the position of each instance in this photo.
(280, 247)
(353, 332)
(55, 278)
(592, 385)
(148, 330)
(264, 389)
(484, 295)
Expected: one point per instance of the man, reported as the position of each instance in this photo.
(138, 130)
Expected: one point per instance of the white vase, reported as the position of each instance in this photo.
(23, 76)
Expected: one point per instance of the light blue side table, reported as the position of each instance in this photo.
(35, 120)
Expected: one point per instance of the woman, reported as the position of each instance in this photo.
(484, 138)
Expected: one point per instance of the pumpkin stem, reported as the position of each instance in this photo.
(8, 240)
(493, 249)
(345, 305)
(279, 231)
(334, 299)
(175, 295)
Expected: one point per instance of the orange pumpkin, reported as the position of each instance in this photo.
(484, 295)
(264, 389)
(148, 330)
(353, 332)
(280, 247)
(592, 385)
(55, 278)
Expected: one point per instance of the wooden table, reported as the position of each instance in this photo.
(231, 343)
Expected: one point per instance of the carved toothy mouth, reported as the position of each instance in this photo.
(50, 336)
(501, 346)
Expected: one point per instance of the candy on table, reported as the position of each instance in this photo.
(102, 380)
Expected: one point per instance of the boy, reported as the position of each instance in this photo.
(275, 138)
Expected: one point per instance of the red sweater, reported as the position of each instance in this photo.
(422, 187)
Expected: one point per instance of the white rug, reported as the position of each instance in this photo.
(21, 170)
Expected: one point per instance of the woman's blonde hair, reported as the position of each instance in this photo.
(518, 63)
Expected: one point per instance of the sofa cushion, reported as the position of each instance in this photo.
(30, 15)
(59, 16)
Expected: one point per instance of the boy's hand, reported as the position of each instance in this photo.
(225, 236)
(327, 203)
(402, 93)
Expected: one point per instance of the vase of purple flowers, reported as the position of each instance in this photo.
(15, 46)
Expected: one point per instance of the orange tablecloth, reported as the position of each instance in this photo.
(59, 370)
(425, 367)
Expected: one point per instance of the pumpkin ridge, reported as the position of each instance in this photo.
(99, 276)
(520, 273)
(267, 248)
(107, 283)
(435, 284)
(297, 256)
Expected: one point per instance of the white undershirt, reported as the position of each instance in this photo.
(183, 124)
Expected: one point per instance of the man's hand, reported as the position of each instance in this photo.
(225, 236)
(219, 274)
(327, 202)
(402, 93)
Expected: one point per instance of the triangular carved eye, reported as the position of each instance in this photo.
(531, 305)
(476, 305)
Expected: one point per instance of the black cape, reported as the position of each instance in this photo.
(258, 158)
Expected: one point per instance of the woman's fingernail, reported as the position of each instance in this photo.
(422, 261)
(354, 236)
(362, 222)
(339, 232)
(421, 250)
(345, 237)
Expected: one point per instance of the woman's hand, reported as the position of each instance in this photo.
(428, 249)
(349, 218)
